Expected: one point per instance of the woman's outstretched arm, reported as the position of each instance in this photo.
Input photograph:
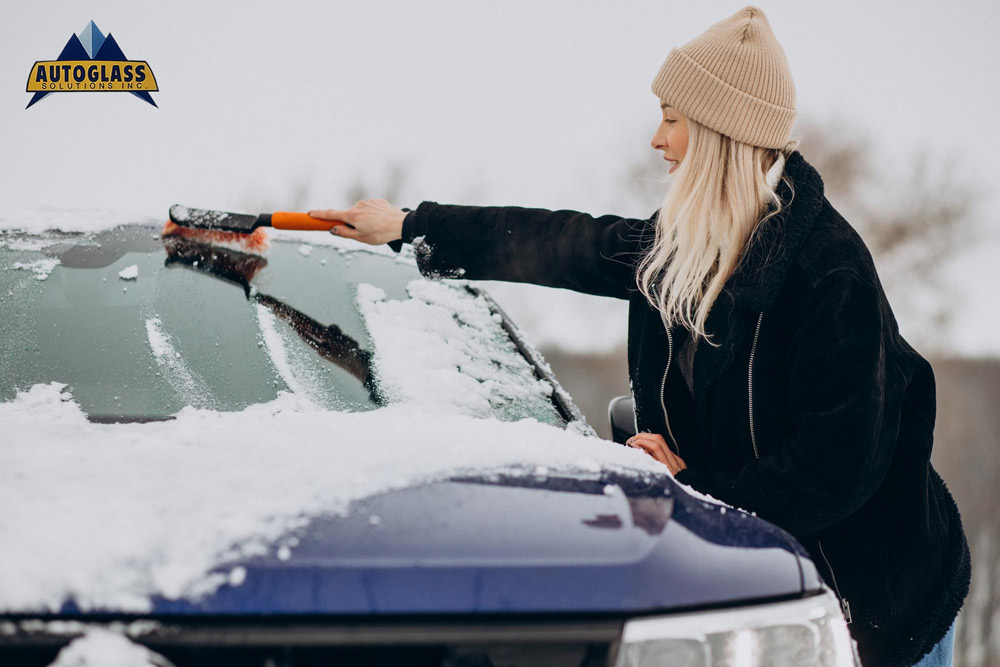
(563, 248)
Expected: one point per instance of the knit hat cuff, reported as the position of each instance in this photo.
(699, 94)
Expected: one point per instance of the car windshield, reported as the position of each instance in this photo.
(140, 327)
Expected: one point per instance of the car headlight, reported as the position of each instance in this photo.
(810, 631)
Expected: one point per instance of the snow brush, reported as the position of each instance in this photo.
(238, 231)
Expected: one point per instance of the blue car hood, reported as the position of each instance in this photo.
(520, 544)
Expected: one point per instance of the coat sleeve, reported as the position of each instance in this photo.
(564, 248)
(397, 245)
(842, 443)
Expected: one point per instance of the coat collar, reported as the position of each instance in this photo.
(757, 280)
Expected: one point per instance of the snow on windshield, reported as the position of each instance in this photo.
(443, 346)
(112, 514)
(176, 371)
(41, 268)
(295, 365)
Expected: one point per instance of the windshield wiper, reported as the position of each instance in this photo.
(329, 341)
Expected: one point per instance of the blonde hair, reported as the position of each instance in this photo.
(707, 220)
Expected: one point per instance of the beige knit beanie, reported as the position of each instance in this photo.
(733, 78)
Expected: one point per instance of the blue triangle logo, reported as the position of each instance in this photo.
(92, 38)
(92, 44)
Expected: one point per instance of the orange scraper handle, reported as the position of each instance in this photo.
(302, 221)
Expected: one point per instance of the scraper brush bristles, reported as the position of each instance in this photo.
(256, 242)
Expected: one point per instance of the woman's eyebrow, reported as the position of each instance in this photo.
(665, 106)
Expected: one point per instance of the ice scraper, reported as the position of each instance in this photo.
(245, 223)
(243, 231)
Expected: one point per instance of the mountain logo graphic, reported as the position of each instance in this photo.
(91, 62)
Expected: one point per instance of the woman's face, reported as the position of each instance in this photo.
(671, 136)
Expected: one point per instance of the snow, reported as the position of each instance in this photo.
(41, 268)
(172, 507)
(129, 272)
(305, 249)
(23, 244)
(276, 349)
(182, 379)
(576, 426)
(183, 214)
(443, 347)
(296, 366)
(237, 576)
(175, 508)
(100, 647)
(180, 213)
(704, 497)
(38, 219)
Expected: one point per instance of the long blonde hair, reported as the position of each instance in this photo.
(707, 220)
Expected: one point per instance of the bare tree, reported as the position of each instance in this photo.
(913, 223)
(390, 190)
(302, 195)
(924, 221)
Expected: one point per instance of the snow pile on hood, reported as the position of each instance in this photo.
(111, 514)
(100, 647)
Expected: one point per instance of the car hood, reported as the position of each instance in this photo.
(523, 543)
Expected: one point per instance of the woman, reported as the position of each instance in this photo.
(766, 366)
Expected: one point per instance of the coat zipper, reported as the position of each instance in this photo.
(753, 350)
(663, 386)
(844, 604)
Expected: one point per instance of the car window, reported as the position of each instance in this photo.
(140, 327)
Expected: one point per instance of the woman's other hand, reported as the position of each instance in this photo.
(372, 221)
(654, 445)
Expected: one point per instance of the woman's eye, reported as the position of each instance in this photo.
(667, 120)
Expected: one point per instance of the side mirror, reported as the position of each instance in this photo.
(621, 414)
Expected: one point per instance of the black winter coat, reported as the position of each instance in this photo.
(814, 412)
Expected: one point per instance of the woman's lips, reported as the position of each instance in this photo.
(673, 164)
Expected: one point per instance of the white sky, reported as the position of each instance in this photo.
(519, 103)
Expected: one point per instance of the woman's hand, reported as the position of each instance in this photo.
(654, 445)
(372, 221)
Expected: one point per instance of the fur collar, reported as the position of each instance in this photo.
(758, 278)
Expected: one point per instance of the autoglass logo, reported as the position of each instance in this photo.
(90, 63)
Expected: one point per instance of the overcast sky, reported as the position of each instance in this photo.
(521, 103)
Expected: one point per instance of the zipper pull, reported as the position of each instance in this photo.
(846, 606)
